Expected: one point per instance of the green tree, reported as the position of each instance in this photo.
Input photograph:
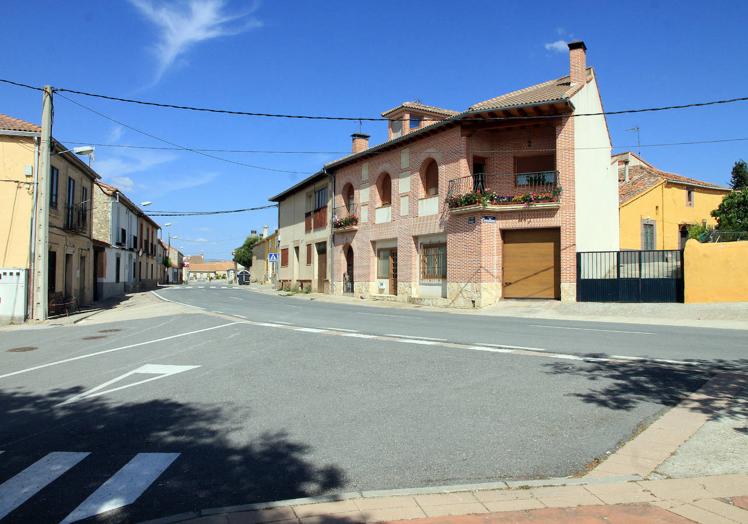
(732, 213)
(243, 253)
(739, 176)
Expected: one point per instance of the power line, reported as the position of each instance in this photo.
(260, 151)
(203, 213)
(370, 119)
(183, 148)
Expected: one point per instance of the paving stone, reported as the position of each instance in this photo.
(455, 509)
(565, 496)
(699, 515)
(514, 505)
(263, 516)
(726, 485)
(501, 495)
(390, 514)
(351, 517)
(441, 499)
(325, 508)
(385, 503)
(722, 509)
(677, 489)
(620, 493)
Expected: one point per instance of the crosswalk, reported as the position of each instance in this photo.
(121, 489)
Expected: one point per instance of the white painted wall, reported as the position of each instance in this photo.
(596, 182)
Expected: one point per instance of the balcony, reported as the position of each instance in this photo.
(504, 192)
(345, 218)
(76, 218)
(383, 214)
(316, 219)
(428, 206)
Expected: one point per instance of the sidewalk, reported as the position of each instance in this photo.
(631, 485)
(725, 315)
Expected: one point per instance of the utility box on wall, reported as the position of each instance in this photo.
(12, 295)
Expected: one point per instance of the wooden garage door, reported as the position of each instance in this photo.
(531, 263)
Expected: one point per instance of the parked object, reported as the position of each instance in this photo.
(13, 282)
(243, 278)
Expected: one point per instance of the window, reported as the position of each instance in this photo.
(309, 202)
(54, 186)
(51, 271)
(534, 164)
(284, 257)
(84, 206)
(385, 189)
(308, 254)
(123, 236)
(689, 198)
(434, 262)
(648, 234)
(383, 263)
(535, 179)
(320, 198)
(431, 180)
(70, 203)
(397, 128)
(415, 122)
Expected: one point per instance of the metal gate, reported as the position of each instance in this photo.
(630, 276)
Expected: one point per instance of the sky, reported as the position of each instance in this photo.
(350, 59)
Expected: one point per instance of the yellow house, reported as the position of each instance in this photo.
(70, 251)
(262, 271)
(656, 208)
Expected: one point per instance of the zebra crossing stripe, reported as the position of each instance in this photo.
(33, 479)
(125, 486)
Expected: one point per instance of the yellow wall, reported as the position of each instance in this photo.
(16, 200)
(716, 272)
(666, 205)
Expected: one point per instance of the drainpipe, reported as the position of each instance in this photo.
(332, 232)
(32, 244)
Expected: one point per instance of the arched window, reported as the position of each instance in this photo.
(348, 197)
(385, 189)
(430, 179)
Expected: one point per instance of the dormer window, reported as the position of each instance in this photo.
(397, 128)
(415, 122)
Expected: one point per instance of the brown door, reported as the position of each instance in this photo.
(531, 263)
(393, 271)
(321, 266)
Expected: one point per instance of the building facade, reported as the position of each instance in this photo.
(263, 271)
(148, 265)
(657, 208)
(70, 254)
(465, 208)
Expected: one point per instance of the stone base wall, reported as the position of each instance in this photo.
(568, 292)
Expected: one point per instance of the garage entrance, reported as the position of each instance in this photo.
(531, 263)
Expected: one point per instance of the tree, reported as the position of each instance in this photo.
(732, 213)
(243, 254)
(739, 177)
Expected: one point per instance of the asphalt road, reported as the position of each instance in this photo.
(276, 398)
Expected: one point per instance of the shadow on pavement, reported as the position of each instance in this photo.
(219, 464)
(629, 383)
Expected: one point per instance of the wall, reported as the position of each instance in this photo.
(596, 180)
(16, 201)
(716, 272)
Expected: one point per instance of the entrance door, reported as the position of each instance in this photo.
(321, 266)
(82, 281)
(393, 272)
(348, 277)
(68, 276)
(531, 263)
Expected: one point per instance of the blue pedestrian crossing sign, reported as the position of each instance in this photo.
(272, 257)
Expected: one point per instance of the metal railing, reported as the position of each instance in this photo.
(345, 216)
(76, 218)
(504, 188)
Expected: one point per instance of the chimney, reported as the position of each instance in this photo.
(577, 62)
(360, 142)
(265, 231)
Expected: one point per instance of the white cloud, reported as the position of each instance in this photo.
(189, 22)
(116, 133)
(559, 46)
(123, 183)
(129, 163)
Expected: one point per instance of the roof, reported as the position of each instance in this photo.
(620, 156)
(224, 265)
(111, 190)
(319, 175)
(556, 90)
(421, 107)
(8, 123)
(642, 178)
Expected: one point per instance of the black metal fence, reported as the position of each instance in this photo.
(630, 276)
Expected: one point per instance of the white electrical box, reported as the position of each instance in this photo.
(13, 283)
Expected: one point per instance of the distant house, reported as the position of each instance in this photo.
(263, 271)
(224, 269)
(656, 208)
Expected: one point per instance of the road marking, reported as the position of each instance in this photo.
(282, 322)
(160, 370)
(418, 338)
(310, 330)
(417, 341)
(235, 298)
(593, 329)
(266, 324)
(129, 346)
(240, 316)
(219, 312)
(125, 486)
(358, 335)
(493, 350)
(342, 329)
(33, 479)
(505, 346)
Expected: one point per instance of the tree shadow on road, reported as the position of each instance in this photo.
(626, 384)
(222, 462)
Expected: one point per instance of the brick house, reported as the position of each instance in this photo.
(465, 208)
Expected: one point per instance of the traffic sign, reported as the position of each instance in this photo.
(272, 257)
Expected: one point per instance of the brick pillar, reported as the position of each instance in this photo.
(567, 211)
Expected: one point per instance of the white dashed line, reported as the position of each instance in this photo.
(416, 341)
(594, 329)
(310, 330)
(505, 346)
(342, 329)
(416, 338)
(282, 322)
(490, 350)
(358, 335)
(267, 324)
(240, 316)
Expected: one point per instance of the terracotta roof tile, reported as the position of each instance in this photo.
(212, 266)
(550, 91)
(422, 107)
(16, 124)
(643, 178)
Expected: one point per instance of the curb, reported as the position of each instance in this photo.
(404, 492)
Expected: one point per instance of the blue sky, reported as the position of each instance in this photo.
(351, 58)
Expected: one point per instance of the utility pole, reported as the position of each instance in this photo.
(41, 248)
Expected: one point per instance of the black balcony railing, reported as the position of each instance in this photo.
(345, 216)
(76, 218)
(503, 189)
